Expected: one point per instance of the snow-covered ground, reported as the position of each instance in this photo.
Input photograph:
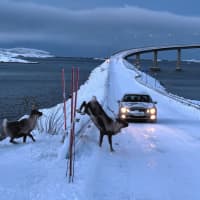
(12, 55)
(150, 162)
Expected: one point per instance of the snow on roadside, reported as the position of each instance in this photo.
(36, 171)
(52, 121)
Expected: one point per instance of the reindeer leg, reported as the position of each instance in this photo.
(110, 142)
(24, 138)
(12, 141)
(29, 134)
(101, 138)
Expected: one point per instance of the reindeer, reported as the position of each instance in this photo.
(22, 128)
(105, 124)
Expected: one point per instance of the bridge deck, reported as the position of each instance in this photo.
(131, 52)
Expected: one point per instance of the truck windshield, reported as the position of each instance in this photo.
(137, 98)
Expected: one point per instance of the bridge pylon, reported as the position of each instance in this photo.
(155, 66)
(137, 62)
(178, 63)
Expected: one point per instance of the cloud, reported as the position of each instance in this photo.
(115, 28)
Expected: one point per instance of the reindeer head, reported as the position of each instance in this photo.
(123, 123)
(119, 124)
(35, 112)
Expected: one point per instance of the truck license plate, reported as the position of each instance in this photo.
(137, 113)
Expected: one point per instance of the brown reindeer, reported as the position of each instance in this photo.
(22, 128)
(105, 124)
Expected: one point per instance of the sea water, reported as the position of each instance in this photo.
(40, 83)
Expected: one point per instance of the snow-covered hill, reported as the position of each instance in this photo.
(12, 55)
(151, 161)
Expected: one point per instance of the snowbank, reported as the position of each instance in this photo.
(52, 122)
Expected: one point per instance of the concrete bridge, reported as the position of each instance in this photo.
(138, 52)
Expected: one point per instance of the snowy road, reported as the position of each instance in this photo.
(151, 161)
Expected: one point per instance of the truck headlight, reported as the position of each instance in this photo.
(124, 110)
(123, 116)
(152, 111)
(152, 117)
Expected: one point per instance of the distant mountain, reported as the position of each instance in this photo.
(16, 54)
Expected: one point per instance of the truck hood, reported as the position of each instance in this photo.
(137, 105)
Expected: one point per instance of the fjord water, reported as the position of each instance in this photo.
(21, 84)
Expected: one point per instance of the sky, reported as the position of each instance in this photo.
(97, 28)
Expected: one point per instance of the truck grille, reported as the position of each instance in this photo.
(138, 109)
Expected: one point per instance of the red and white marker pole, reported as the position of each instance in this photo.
(75, 104)
(64, 104)
(74, 89)
(70, 167)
